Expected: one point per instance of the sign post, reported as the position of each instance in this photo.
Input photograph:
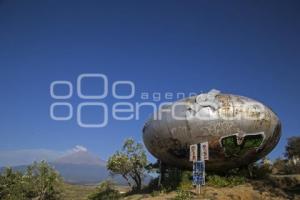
(198, 160)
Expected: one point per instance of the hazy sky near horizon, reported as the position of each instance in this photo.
(250, 48)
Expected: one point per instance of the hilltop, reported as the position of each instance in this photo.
(248, 191)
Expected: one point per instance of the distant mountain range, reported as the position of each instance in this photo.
(80, 167)
(80, 158)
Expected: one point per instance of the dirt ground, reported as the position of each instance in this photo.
(275, 188)
(250, 191)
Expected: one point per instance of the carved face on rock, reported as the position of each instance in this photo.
(238, 130)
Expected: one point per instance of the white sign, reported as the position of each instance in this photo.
(193, 152)
(204, 151)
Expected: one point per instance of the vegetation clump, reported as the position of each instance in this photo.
(183, 195)
(293, 148)
(40, 181)
(220, 181)
(105, 191)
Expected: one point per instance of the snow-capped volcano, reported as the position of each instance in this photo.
(80, 157)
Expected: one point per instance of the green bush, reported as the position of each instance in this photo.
(105, 191)
(155, 193)
(261, 171)
(172, 179)
(185, 181)
(293, 168)
(152, 185)
(11, 187)
(221, 181)
(282, 166)
(40, 181)
(183, 195)
(177, 179)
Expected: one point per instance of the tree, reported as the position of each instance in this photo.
(47, 181)
(293, 148)
(130, 163)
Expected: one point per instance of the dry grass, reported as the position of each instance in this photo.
(259, 189)
(77, 192)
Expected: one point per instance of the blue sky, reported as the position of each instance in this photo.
(250, 48)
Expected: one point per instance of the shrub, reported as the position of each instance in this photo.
(155, 193)
(105, 191)
(220, 181)
(172, 179)
(186, 181)
(40, 181)
(236, 180)
(293, 168)
(261, 171)
(183, 195)
(152, 185)
(177, 179)
(279, 166)
(11, 187)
